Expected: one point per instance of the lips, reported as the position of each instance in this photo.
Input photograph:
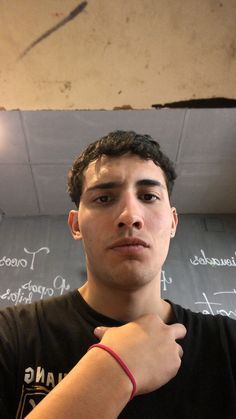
(129, 242)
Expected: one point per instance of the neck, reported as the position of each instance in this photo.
(126, 305)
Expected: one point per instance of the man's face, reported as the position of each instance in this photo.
(125, 221)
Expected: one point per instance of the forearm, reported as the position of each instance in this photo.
(96, 387)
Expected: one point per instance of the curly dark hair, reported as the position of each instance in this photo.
(116, 144)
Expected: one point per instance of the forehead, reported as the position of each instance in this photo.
(123, 169)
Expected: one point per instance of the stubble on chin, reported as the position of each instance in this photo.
(128, 277)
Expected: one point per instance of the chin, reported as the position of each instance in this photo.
(131, 281)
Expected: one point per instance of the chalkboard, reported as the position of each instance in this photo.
(39, 259)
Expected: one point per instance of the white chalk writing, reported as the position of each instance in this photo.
(225, 292)
(215, 307)
(165, 281)
(203, 260)
(22, 263)
(29, 290)
(34, 254)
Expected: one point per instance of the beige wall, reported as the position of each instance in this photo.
(116, 53)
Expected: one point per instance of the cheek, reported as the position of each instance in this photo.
(92, 234)
(88, 234)
(159, 224)
(87, 230)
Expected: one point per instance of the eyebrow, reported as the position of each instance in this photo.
(150, 182)
(112, 185)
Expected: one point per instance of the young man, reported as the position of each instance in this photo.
(174, 363)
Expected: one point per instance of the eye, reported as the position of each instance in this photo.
(103, 199)
(148, 197)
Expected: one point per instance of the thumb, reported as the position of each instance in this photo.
(100, 331)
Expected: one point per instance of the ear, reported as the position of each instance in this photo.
(73, 222)
(174, 222)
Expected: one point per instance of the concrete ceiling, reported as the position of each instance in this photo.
(102, 54)
(38, 147)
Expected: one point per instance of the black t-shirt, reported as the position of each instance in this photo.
(41, 342)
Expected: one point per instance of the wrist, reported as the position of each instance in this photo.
(120, 362)
(112, 378)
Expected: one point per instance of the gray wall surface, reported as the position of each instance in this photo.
(39, 259)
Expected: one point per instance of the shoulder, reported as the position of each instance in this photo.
(206, 328)
(24, 316)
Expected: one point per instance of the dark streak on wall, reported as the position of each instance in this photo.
(63, 22)
(210, 103)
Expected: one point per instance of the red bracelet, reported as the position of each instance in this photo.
(120, 362)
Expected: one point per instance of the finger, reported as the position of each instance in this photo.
(180, 330)
(100, 331)
(181, 352)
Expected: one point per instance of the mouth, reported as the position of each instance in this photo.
(129, 245)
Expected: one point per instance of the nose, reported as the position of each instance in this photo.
(130, 214)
